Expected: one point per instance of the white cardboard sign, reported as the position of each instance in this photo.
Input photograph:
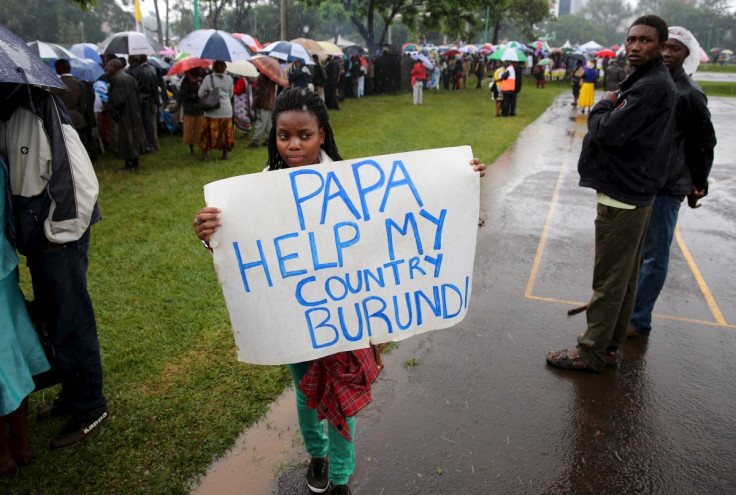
(322, 259)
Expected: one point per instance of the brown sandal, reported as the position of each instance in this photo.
(563, 360)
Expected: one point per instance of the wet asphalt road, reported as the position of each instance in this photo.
(481, 412)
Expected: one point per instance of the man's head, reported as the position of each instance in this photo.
(113, 67)
(681, 50)
(62, 66)
(645, 39)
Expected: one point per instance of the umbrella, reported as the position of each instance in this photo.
(130, 43)
(249, 41)
(509, 54)
(514, 44)
(86, 50)
(242, 68)
(451, 53)
(606, 53)
(213, 44)
(167, 51)
(19, 64)
(86, 69)
(715, 49)
(468, 49)
(354, 50)
(411, 47)
(727, 52)
(544, 61)
(270, 68)
(157, 63)
(540, 45)
(188, 63)
(311, 46)
(423, 59)
(330, 48)
(615, 47)
(287, 51)
(50, 51)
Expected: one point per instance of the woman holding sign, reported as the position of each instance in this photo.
(335, 387)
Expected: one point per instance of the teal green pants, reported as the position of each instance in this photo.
(333, 445)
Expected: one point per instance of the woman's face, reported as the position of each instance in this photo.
(299, 137)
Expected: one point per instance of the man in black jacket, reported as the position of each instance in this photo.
(690, 163)
(625, 158)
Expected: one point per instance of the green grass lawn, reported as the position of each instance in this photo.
(717, 68)
(178, 397)
(716, 88)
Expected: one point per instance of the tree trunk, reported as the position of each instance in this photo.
(284, 20)
(496, 31)
(158, 23)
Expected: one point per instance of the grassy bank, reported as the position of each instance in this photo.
(177, 395)
(715, 88)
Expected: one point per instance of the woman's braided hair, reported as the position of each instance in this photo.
(302, 100)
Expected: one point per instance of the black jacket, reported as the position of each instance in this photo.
(693, 140)
(626, 152)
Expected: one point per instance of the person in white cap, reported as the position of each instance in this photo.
(690, 164)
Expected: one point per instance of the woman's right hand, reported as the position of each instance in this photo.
(206, 222)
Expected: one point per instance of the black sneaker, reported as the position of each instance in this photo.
(340, 490)
(317, 480)
(74, 432)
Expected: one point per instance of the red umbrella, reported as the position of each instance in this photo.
(187, 63)
(451, 53)
(606, 53)
(615, 47)
(270, 68)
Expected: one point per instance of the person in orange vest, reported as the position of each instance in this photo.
(508, 88)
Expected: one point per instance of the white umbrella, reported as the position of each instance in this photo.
(214, 45)
(423, 59)
(509, 55)
(242, 68)
(50, 50)
(129, 43)
(287, 51)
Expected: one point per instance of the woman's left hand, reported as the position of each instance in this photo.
(478, 166)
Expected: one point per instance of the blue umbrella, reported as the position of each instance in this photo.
(84, 69)
(214, 45)
(18, 63)
(86, 50)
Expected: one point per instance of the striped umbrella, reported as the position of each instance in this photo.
(270, 68)
(50, 51)
(214, 45)
(509, 54)
(411, 47)
(249, 41)
(287, 51)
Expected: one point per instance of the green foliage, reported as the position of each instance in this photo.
(60, 21)
(575, 28)
(178, 397)
(611, 17)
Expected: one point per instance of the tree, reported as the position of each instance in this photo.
(575, 28)
(610, 17)
(364, 15)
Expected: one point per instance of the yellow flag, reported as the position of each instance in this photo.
(137, 12)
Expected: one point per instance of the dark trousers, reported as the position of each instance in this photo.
(148, 124)
(508, 107)
(331, 96)
(59, 277)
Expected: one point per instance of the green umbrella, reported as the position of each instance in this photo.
(544, 61)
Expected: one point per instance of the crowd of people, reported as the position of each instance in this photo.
(652, 106)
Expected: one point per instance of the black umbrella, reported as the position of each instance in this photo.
(131, 43)
(18, 63)
(354, 50)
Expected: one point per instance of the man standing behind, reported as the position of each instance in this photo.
(508, 89)
(148, 87)
(125, 108)
(625, 158)
(690, 163)
(75, 99)
(54, 190)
